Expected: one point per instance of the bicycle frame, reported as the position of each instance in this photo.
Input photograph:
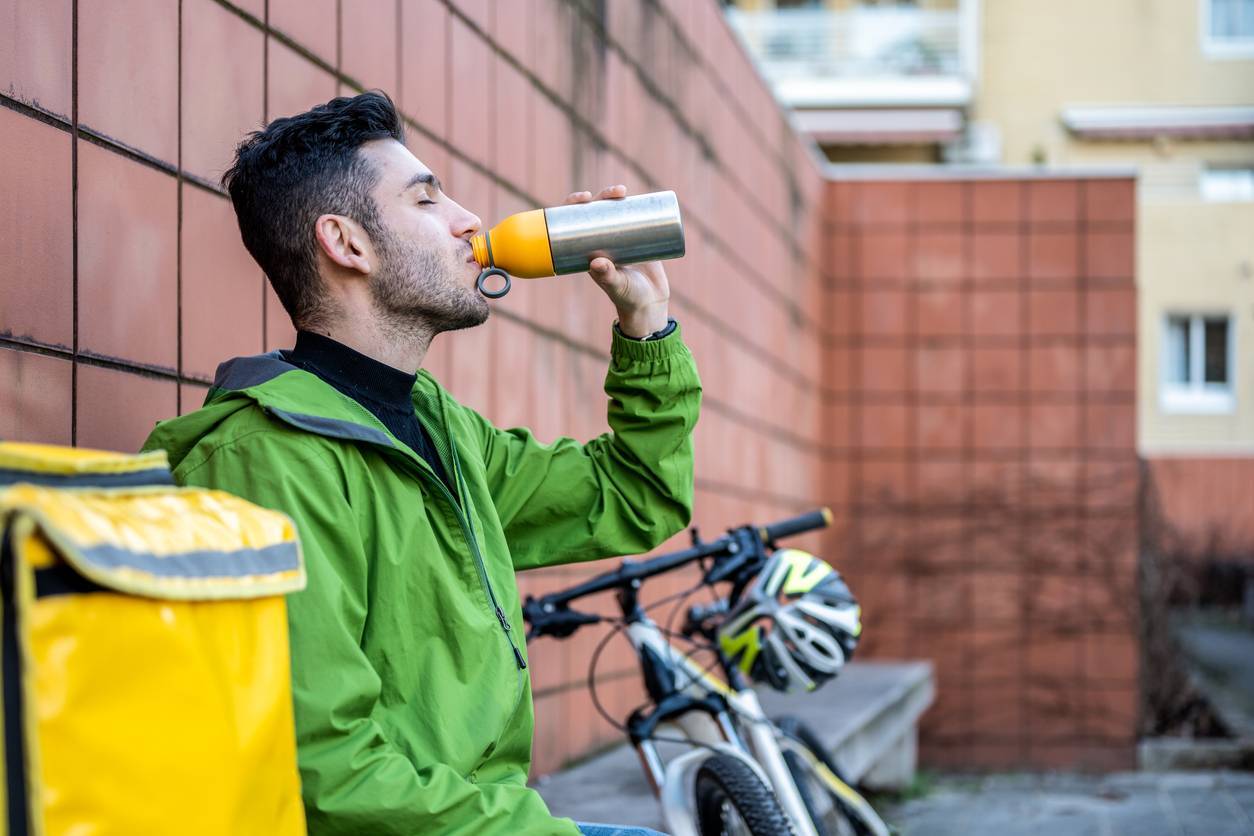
(711, 715)
(702, 707)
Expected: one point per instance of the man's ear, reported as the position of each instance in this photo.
(344, 242)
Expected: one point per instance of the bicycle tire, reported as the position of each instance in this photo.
(841, 817)
(726, 783)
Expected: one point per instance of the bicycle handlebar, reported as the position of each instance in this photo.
(550, 614)
(797, 525)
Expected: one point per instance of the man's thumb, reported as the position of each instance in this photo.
(601, 268)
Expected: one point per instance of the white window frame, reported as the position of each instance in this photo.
(1197, 397)
(1238, 48)
(1212, 193)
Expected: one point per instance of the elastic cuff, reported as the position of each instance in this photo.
(627, 348)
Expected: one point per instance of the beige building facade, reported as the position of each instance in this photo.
(1166, 86)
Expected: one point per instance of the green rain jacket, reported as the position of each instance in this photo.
(413, 709)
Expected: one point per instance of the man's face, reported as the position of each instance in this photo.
(425, 270)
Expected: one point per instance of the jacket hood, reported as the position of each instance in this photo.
(285, 392)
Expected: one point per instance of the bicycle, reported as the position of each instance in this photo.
(746, 773)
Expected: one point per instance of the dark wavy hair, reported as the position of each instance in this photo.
(297, 168)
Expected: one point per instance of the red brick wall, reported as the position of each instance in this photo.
(980, 405)
(1203, 506)
(125, 282)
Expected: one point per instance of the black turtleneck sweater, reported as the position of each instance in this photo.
(381, 389)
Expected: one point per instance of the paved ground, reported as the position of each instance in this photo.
(1220, 654)
(1133, 803)
(1122, 804)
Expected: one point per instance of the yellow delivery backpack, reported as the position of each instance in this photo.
(143, 650)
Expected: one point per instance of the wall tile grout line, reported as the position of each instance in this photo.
(88, 134)
(1084, 440)
(728, 489)
(87, 358)
(265, 118)
(966, 467)
(1025, 479)
(910, 341)
(857, 529)
(400, 50)
(178, 224)
(73, 216)
(493, 336)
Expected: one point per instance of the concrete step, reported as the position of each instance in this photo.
(867, 716)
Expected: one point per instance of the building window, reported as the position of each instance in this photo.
(1197, 364)
(1228, 28)
(1227, 184)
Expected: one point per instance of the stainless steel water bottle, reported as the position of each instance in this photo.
(564, 239)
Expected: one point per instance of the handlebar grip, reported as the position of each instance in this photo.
(797, 525)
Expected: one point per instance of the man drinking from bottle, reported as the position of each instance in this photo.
(409, 670)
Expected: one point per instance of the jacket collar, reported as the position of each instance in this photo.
(307, 402)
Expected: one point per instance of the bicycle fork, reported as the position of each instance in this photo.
(673, 782)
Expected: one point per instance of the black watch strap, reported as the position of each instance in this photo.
(671, 325)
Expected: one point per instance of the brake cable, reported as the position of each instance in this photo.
(619, 626)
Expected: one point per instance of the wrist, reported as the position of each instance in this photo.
(670, 328)
(642, 322)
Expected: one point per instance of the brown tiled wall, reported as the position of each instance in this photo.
(981, 432)
(1202, 506)
(124, 282)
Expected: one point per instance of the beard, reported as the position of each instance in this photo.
(416, 288)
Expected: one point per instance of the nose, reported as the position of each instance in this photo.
(465, 224)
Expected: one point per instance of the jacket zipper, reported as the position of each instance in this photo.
(467, 531)
(522, 665)
(469, 534)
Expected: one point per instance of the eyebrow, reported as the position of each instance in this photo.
(425, 177)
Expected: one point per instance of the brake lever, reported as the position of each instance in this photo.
(552, 620)
(745, 555)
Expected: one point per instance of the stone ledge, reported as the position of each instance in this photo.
(868, 716)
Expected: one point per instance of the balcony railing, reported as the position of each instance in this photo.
(805, 49)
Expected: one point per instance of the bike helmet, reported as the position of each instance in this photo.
(796, 624)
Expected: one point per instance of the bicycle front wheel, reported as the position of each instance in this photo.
(835, 808)
(732, 801)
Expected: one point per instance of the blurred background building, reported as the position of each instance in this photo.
(1161, 87)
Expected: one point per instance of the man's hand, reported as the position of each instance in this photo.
(640, 292)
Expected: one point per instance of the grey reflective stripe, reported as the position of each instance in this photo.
(281, 557)
(150, 476)
(246, 372)
(332, 427)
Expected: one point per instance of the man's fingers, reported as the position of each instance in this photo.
(608, 193)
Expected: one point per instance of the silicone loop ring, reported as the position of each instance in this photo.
(492, 294)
